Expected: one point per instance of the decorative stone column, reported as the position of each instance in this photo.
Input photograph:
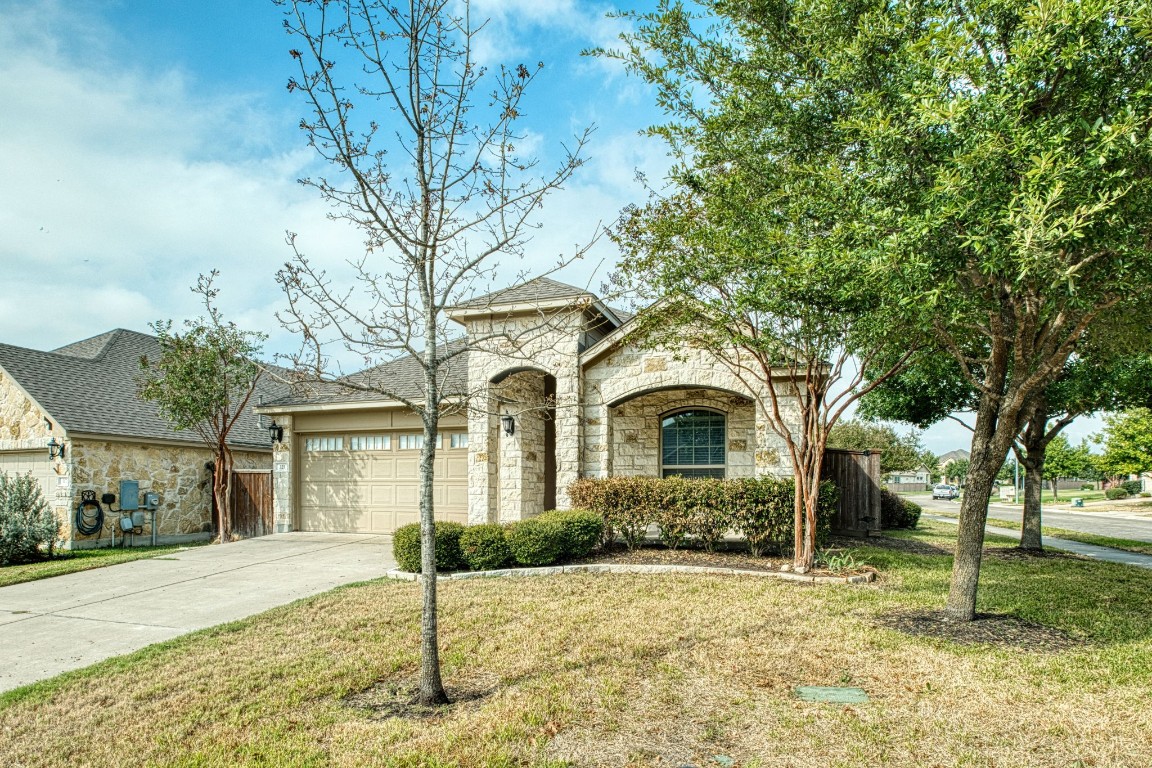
(283, 479)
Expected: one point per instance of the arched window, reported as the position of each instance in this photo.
(692, 444)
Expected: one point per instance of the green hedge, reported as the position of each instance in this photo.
(484, 547)
(897, 511)
(1132, 486)
(582, 531)
(760, 509)
(406, 547)
(535, 542)
(1119, 492)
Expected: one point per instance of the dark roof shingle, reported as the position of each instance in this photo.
(90, 387)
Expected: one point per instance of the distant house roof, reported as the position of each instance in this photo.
(403, 377)
(955, 455)
(90, 387)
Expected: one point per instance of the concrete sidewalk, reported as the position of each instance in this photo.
(1106, 554)
(68, 622)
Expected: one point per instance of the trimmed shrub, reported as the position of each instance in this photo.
(535, 542)
(485, 547)
(1132, 486)
(897, 511)
(1087, 487)
(622, 502)
(583, 531)
(406, 547)
(760, 509)
(1119, 492)
(28, 529)
(763, 512)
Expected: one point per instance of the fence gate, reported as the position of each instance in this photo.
(857, 476)
(251, 503)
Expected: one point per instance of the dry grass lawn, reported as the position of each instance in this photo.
(634, 670)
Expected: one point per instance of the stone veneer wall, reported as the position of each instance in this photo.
(630, 374)
(177, 473)
(521, 455)
(549, 344)
(636, 431)
(24, 426)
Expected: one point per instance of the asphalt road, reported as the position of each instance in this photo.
(1114, 522)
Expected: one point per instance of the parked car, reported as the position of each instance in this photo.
(945, 492)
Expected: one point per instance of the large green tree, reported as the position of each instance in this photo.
(757, 252)
(1062, 459)
(202, 381)
(995, 152)
(1127, 439)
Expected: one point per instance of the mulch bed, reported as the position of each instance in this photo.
(986, 629)
(389, 698)
(721, 558)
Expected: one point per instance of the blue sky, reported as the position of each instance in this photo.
(146, 141)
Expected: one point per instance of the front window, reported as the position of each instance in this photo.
(692, 444)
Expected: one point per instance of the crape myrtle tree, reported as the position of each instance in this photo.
(758, 251)
(202, 381)
(422, 142)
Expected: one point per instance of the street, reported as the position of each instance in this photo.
(1116, 522)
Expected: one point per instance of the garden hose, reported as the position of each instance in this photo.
(88, 522)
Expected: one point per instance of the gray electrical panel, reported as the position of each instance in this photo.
(129, 495)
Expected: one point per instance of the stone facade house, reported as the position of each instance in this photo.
(81, 400)
(552, 388)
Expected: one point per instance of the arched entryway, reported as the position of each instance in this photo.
(526, 442)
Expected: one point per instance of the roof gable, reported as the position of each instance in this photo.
(90, 387)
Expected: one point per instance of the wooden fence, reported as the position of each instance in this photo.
(857, 476)
(251, 504)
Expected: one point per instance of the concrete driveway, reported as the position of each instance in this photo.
(68, 622)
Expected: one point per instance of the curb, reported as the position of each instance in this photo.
(557, 570)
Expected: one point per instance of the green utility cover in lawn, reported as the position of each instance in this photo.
(831, 694)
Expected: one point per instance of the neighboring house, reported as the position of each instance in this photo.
(546, 405)
(83, 397)
(919, 476)
(956, 455)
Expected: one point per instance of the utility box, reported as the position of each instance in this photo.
(151, 501)
(1078, 502)
(129, 495)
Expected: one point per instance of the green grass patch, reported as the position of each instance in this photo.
(637, 670)
(81, 560)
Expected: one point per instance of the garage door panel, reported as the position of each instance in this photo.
(375, 491)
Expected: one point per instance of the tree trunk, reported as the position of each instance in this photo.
(990, 442)
(1030, 536)
(222, 492)
(1036, 439)
(431, 686)
(1055, 489)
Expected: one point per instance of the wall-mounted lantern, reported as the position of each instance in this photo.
(509, 424)
(276, 432)
(55, 449)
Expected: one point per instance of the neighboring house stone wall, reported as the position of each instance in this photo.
(178, 473)
(21, 420)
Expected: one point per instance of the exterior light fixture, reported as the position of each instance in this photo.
(55, 449)
(276, 432)
(509, 424)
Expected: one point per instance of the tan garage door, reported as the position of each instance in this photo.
(22, 462)
(368, 483)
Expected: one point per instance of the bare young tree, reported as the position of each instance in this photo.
(423, 141)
